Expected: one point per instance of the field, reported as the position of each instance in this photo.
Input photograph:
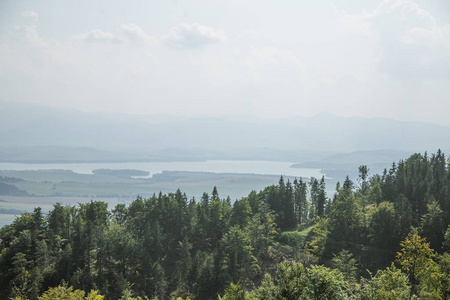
(47, 187)
(64, 183)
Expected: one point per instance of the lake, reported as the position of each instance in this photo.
(214, 166)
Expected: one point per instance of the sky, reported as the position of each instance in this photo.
(269, 59)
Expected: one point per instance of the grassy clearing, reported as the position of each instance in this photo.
(301, 233)
(295, 238)
(305, 232)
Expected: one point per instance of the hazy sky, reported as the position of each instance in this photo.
(266, 58)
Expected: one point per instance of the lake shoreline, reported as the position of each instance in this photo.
(257, 167)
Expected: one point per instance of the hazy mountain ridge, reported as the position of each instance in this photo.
(375, 157)
(131, 137)
(343, 164)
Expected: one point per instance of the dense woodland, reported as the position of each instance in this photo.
(385, 236)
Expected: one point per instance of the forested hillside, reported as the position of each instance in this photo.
(385, 236)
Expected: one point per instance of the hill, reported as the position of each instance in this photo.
(101, 136)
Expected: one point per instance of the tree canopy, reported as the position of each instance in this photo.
(386, 237)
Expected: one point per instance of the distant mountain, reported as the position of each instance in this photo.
(382, 158)
(343, 164)
(166, 137)
(56, 154)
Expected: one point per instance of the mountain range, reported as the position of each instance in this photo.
(31, 132)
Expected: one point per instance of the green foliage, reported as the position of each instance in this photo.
(127, 294)
(169, 247)
(318, 196)
(234, 292)
(290, 283)
(416, 259)
(293, 239)
(446, 244)
(346, 264)
(262, 231)
(432, 225)
(444, 267)
(300, 201)
(319, 237)
(67, 293)
(294, 281)
(383, 237)
(327, 283)
(241, 213)
(346, 226)
(388, 284)
(375, 194)
(239, 262)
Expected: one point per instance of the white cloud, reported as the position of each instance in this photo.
(408, 8)
(28, 32)
(194, 36)
(97, 36)
(27, 29)
(356, 23)
(29, 54)
(357, 58)
(408, 36)
(134, 33)
(126, 33)
(30, 14)
(431, 36)
(409, 12)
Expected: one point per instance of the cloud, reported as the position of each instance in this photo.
(28, 52)
(27, 28)
(408, 11)
(357, 23)
(28, 32)
(410, 39)
(193, 36)
(133, 33)
(97, 36)
(126, 33)
(31, 15)
(431, 36)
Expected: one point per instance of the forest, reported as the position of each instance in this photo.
(384, 236)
